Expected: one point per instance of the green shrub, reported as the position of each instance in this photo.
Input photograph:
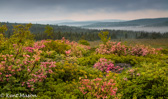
(88, 61)
(103, 36)
(59, 91)
(83, 42)
(164, 51)
(147, 80)
(69, 72)
(58, 46)
(133, 60)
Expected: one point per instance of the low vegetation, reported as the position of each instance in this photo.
(63, 69)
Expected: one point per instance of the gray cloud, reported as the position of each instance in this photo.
(51, 8)
(121, 5)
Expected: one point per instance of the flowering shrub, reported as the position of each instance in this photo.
(98, 88)
(23, 72)
(118, 49)
(37, 45)
(71, 59)
(40, 44)
(29, 49)
(141, 50)
(112, 48)
(77, 50)
(61, 47)
(106, 66)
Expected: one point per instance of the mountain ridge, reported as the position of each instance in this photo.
(137, 22)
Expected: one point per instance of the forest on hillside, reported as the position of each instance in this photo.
(77, 33)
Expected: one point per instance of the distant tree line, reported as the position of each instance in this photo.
(77, 33)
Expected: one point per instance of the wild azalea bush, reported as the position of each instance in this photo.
(37, 45)
(105, 66)
(119, 49)
(21, 67)
(23, 72)
(77, 49)
(112, 48)
(63, 46)
(98, 88)
(141, 50)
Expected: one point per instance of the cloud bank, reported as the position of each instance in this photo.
(37, 10)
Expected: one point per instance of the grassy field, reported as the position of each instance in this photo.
(156, 43)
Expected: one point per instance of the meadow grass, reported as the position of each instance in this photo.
(156, 43)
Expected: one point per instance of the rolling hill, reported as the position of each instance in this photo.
(83, 23)
(138, 22)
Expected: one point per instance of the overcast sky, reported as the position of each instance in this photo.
(80, 10)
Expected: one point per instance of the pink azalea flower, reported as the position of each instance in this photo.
(68, 52)
(125, 79)
(32, 89)
(138, 74)
(29, 86)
